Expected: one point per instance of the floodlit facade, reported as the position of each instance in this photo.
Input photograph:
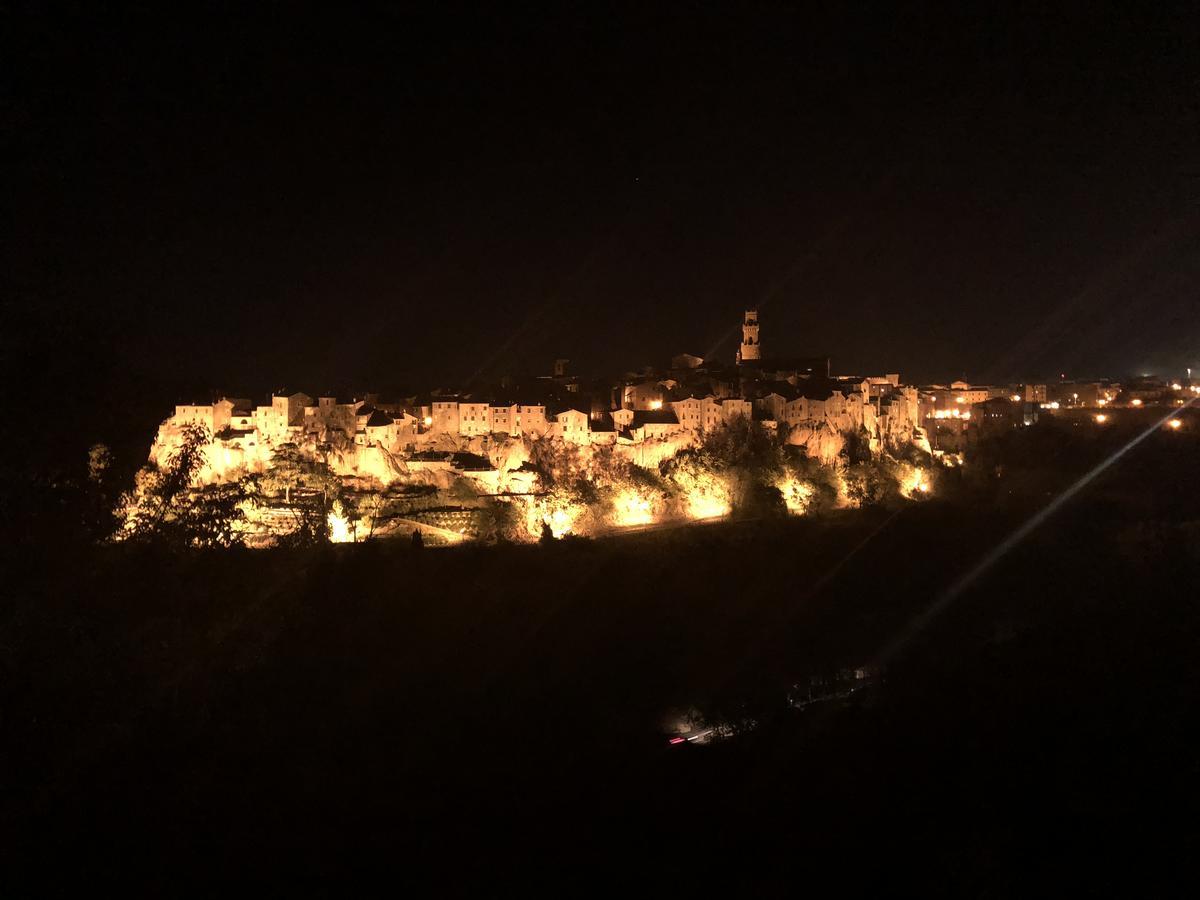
(750, 350)
(571, 426)
(699, 414)
(645, 395)
(646, 417)
(474, 418)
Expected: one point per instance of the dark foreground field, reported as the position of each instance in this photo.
(484, 712)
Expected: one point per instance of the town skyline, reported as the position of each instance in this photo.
(518, 443)
(394, 209)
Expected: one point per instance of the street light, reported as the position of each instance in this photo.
(1176, 424)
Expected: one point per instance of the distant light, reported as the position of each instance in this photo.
(1101, 418)
(1015, 398)
(1176, 424)
(656, 404)
(1177, 386)
(1136, 401)
(960, 399)
(428, 421)
(677, 740)
(1102, 401)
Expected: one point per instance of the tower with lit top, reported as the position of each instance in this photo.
(750, 350)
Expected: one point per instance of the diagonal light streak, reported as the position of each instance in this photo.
(960, 585)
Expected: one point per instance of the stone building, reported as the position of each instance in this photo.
(698, 414)
(474, 418)
(444, 415)
(750, 350)
(648, 417)
(571, 426)
(643, 395)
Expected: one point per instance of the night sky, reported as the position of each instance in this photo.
(241, 200)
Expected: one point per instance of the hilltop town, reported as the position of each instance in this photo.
(495, 442)
(647, 416)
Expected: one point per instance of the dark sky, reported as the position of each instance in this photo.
(240, 199)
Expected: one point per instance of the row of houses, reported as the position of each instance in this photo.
(368, 422)
(691, 397)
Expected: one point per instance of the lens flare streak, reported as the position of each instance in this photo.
(960, 585)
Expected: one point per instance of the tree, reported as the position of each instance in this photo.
(464, 490)
(763, 500)
(870, 484)
(308, 488)
(100, 518)
(99, 463)
(741, 443)
(733, 464)
(370, 510)
(558, 464)
(209, 517)
(166, 508)
(293, 472)
(822, 478)
(498, 520)
(857, 447)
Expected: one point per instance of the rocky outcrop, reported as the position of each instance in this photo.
(232, 455)
(821, 441)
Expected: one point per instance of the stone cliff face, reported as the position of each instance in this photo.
(896, 427)
(230, 457)
(821, 441)
(224, 460)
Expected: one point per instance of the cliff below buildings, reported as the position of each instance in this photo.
(499, 463)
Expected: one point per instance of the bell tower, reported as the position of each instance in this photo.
(750, 350)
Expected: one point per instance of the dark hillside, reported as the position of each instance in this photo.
(482, 707)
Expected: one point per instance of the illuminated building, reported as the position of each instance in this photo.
(645, 419)
(750, 350)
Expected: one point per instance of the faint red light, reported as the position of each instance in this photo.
(677, 740)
